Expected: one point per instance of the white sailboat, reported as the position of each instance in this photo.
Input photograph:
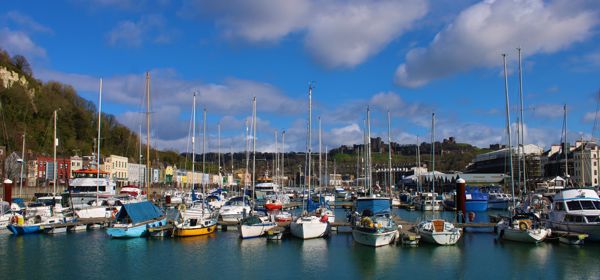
(253, 226)
(520, 227)
(308, 225)
(439, 232)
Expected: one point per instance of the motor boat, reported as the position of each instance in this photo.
(576, 210)
(439, 232)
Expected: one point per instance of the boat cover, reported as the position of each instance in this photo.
(139, 212)
(375, 204)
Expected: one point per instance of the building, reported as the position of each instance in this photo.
(45, 169)
(117, 167)
(499, 161)
(136, 174)
(32, 173)
(585, 164)
(76, 164)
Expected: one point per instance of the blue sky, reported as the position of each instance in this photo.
(411, 57)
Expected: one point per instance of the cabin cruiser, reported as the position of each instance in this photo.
(522, 227)
(234, 210)
(428, 201)
(576, 210)
(374, 225)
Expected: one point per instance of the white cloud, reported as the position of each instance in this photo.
(17, 42)
(590, 117)
(548, 110)
(26, 22)
(337, 33)
(135, 33)
(480, 33)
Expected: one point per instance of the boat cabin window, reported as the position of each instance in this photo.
(573, 205)
(558, 206)
(193, 222)
(597, 204)
(587, 205)
(593, 219)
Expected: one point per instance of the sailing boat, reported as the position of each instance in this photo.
(324, 210)
(193, 221)
(429, 201)
(134, 219)
(253, 225)
(309, 226)
(522, 227)
(372, 223)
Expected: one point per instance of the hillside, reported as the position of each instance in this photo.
(27, 105)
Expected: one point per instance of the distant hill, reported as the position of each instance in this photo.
(27, 105)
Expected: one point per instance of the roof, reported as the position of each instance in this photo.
(139, 212)
(90, 171)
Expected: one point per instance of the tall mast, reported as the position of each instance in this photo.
(253, 148)
(510, 152)
(370, 173)
(276, 160)
(433, 150)
(357, 165)
(418, 164)
(309, 136)
(320, 157)
(247, 163)
(219, 153)
(326, 175)
(140, 153)
(98, 145)
(193, 143)
(565, 149)
(203, 151)
(232, 176)
(283, 155)
(22, 167)
(522, 130)
(390, 150)
(55, 164)
(148, 170)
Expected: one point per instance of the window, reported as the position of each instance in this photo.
(558, 206)
(587, 205)
(593, 219)
(597, 204)
(573, 205)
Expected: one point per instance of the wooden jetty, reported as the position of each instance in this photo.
(75, 225)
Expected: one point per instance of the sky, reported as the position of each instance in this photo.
(411, 57)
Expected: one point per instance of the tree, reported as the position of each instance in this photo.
(22, 64)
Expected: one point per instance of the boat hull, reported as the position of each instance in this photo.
(476, 205)
(134, 231)
(441, 238)
(374, 239)
(526, 236)
(273, 206)
(498, 204)
(25, 229)
(309, 230)
(185, 232)
(592, 230)
(253, 231)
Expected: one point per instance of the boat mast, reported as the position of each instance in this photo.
(253, 149)
(247, 164)
(389, 151)
(418, 165)
(22, 167)
(326, 175)
(565, 149)
(512, 177)
(55, 164)
(370, 173)
(320, 157)
(219, 153)
(433, 150)
(282, 155)
(140, 153)
(203, 152)
(193, 144)
(309, 140)
(148, 171)
(522, 130)
(276, 160)
(98, 151)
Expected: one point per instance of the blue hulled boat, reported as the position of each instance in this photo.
(134, 219)
(476, 200)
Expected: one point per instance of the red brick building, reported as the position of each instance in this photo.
(45, 169)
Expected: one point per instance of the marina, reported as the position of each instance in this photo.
(224, 253)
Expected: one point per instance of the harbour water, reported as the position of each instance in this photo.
(91, 255)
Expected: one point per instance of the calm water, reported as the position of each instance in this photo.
(92, 255)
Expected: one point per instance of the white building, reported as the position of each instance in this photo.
(136, 173)
(585, 164)
(76, 164)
